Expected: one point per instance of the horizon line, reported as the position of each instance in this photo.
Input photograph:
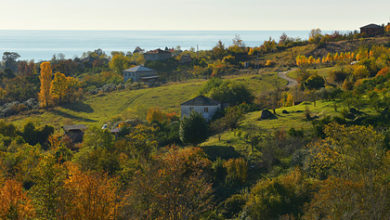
(171, 30)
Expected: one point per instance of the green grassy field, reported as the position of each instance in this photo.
(321, 71)
(294, 119)
(99, 109)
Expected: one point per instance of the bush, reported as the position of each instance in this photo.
(229, 92)
(194, 129)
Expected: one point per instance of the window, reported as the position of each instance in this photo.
(206, 109)
(191, 109)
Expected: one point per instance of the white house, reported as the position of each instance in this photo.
(205, 106)
(139, 73)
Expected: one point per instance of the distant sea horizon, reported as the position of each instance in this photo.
(39, 45)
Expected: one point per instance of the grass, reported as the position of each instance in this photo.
(323, 71)
(294, 119)
(99, 109)
(288, 56)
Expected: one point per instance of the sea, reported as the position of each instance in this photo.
(39, 45)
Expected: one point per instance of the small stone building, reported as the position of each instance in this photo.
(74, 132)
(140, 73)
(372, 30)
(205, 106)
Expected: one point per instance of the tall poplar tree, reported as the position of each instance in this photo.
(45, 78)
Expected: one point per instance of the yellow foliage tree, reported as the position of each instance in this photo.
(63, 89)
(289, 100)
(251, 51)
(360, 71)
(45, 78)
(155, 115)
(58, 87)
(90, 195)
(269, 63)
(119, 62)
(14, 203)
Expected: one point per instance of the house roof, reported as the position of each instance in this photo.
(372, 26)
(157, 51)
(74, 127)
(139, 69)
(200, 101)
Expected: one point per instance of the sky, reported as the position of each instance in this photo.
(191, 14)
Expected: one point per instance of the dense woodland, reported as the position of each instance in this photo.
(158, 168)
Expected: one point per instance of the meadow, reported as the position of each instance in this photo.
(96, 110)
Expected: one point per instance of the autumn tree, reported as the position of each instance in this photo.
(64, 89)
(285, 195)
(175, 186)
(155, 115)
(14, 202)
(119, 62)
(45, 98)
(89, 195)
(354, 165)
(48, 188)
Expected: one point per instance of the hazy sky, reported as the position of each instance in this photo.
(192, 14)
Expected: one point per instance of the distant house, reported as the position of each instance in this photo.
(74, 132)
(185, 58)
(372, 30)
(140, 73)
(205, 106)
(157, 55)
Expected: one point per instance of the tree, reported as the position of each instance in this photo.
(354, 165)
(142, 142)
(277, 197)
(48, 188)
(275, 95)
(14, 203)
(9, 61)
(231, 92)
(64, 89)
(237, 41)
(194, 129)
(155, 115)
(314, 82)
(232, 117)
(119, 62)
(175, 186)
(89, 195)
(237, 171)
(315, 36)
(45, 98)
(58, 87)
(219, 50)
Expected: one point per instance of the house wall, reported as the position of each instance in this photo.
(135, 76)
(208, 115)
(372, 31)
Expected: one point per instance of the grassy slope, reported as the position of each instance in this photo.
(97, 110)
(323, 71)
(294, 119)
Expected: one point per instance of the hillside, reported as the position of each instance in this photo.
(99, 109)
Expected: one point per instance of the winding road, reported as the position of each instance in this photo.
(290, 81)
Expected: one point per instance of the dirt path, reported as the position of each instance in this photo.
(291, 82)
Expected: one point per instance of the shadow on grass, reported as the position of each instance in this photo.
(66, 115)
(213, 152)
(79, 107)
